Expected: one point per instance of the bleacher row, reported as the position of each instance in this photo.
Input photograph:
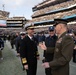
(46, 3)
(55, 7)
(57, 15)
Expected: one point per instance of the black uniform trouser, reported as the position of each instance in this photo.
(18, 50)
(48, 71)
(48, 58)
(0, 53)
(74, 56)
(32, 68)
(12, 45)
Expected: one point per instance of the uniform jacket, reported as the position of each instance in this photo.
(29, 51)
(41, 38)
(1, 43)
(18, 43)
(74, 52)
(62, 55)
(12, 39)
(50, 44)
(75, 41)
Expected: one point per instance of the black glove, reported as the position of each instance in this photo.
(43, 60)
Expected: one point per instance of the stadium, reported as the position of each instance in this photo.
(44, 13)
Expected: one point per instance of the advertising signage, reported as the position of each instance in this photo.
(2, 23)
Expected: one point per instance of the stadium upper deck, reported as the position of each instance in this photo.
(65, 9)
(47, 3)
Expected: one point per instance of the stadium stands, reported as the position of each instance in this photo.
(54, 7)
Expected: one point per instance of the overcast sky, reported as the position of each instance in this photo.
(19, 7)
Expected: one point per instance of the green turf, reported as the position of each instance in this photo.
(11, 64)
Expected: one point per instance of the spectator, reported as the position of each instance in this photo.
(50, 42)
(1, 48)
(74, 52)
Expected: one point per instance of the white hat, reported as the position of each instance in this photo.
(22, 33)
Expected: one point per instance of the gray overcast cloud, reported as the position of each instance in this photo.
(19, 7)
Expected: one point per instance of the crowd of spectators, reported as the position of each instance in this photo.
(55, 7)
(73, 26)
(52, 16)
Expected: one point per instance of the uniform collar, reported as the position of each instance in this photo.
(30, 37)
(62, 34)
